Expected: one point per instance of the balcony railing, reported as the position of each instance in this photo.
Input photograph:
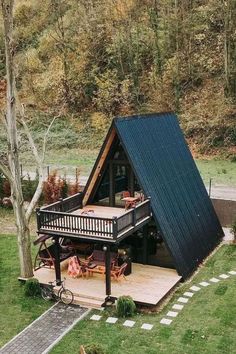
(66, 205)
(54, 220)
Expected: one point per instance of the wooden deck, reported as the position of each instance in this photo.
(92, 222)
(101, 211)
(147, 284)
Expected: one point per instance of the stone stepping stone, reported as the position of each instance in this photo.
(224, 276)
(184, 300)
(112, 320)
(165, 321)
(214, 280)
(177, 307)
(204, 283)
(188, 294)
(195, 288)
(128, 323)
(147, 326)
(232, 272)
(95, 317)
(172, 314)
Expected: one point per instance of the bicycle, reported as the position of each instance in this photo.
(64, 295)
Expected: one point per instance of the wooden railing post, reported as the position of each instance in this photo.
(134, 219)
(149, 206)
(115, 227)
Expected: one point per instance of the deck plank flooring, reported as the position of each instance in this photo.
(101, 211)
(147, 284)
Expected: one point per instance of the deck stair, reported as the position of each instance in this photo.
(87, 300)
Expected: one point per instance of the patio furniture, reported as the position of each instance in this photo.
(97, 269)
(45, 256)
(130, 202)
(76, 268)
(98, 257)
(118, 272)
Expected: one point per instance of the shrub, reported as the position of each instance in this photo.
(125, 306)
(94, 349)
(32, 288)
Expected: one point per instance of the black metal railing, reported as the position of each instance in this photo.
(50, 220)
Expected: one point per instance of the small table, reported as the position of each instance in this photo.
(97, 269)
(130, 201)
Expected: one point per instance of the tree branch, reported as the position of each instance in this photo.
(46, 136)
(39, 160)
(6, 171)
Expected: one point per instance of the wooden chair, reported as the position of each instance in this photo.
(76, 268)
(125, 194)
(118, 272)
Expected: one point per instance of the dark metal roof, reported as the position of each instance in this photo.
(165, 169)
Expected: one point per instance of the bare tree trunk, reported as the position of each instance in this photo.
(22, 224)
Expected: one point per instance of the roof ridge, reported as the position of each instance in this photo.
(144, 115)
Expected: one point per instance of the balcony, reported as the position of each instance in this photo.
(68, 218)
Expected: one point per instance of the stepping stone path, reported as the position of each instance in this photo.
(112, 320)
(172, 314)
(42, 334)
(195, 288)
(165, 321)
(204, 283)
(184, 300)
(177, 307)
(128, 323)
(95, 317)
(214, 280)
(224, 276)
(147, 326)
(188, 294)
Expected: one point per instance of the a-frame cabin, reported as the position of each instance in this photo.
(171, 222)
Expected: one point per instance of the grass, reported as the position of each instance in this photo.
(7, 222)
(67, 160)
(205, 325)
(221, 171)
(16, 310)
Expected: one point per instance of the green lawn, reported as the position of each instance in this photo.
(16, 311)
(206, 324)
(221, 171)
(67, 160)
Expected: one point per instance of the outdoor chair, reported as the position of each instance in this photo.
(118, 272)
(98, 257)
(76, 268)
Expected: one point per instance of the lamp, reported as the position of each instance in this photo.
(104, 248)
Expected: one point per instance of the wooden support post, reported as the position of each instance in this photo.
(57, 261)
(131, 182)
(134, 219)
(115, 227)
(108, 269)
(145, 244)
(111, 185)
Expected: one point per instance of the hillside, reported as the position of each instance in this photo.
(90, 60)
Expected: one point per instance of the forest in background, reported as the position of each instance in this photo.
(90, 60)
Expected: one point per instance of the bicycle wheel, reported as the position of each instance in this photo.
(66, 296)
(46, 294)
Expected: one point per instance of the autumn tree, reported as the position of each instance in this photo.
(10, 165)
